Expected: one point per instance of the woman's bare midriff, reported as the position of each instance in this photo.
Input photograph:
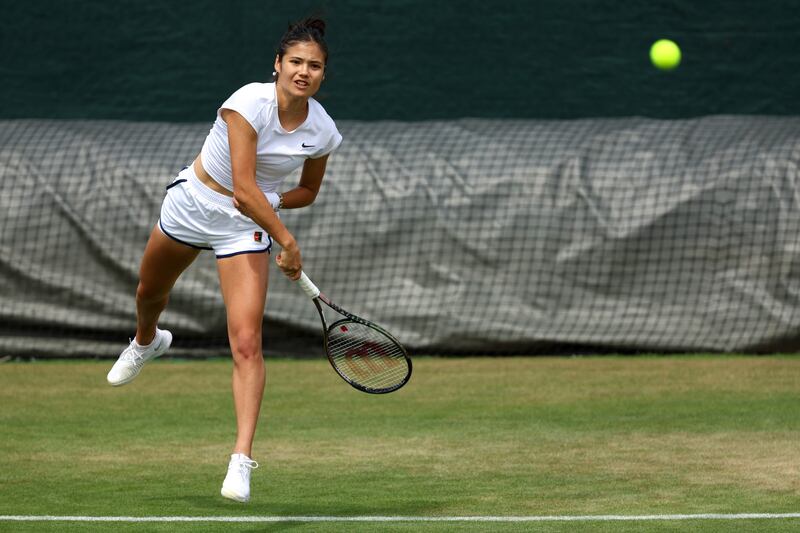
(207, 180)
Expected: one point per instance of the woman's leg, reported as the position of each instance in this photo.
(243, 279)
(162, 263)
(164, 260)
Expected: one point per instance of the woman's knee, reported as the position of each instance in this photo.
(246, 346)
(146, 292)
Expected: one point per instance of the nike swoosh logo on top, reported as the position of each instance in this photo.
(304, 145)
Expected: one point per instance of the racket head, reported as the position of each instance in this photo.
(366, 356)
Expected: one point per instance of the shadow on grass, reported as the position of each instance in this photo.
(215, 505)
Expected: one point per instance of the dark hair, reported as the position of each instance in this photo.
(311, 29)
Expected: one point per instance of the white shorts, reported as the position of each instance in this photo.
(197, 216)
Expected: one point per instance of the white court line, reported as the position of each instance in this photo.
(584, 518)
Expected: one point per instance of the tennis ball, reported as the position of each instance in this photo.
(665, 54)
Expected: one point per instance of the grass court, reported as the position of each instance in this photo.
(539, 436)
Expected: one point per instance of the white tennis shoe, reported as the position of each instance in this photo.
(237, 483)
(134, 357)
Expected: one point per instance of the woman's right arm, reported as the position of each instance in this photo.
(249, 199)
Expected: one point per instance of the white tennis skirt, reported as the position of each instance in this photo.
(197, 216)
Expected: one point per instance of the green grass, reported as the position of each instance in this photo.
(472, 436)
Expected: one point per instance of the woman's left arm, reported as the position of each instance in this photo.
(310, 181)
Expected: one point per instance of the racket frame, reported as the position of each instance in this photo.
(317, 296)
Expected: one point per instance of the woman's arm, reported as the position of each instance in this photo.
(249, 199)
(310, 181)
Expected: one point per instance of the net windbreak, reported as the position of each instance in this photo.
(469, 236)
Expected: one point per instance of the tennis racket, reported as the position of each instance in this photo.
(364, 354)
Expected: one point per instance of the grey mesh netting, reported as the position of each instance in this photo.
(467, 236)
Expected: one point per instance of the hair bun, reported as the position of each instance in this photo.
(309, 29)
(315, 23)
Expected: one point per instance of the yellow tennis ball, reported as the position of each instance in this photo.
(665, 54)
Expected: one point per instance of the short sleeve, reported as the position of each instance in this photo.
(248, 102)
(332, 144)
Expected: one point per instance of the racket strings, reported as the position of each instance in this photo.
(367, 356)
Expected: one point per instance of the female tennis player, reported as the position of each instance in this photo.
(227, 201)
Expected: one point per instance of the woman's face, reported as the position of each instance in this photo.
(301, 69)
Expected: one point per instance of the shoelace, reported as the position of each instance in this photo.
(243, 467)
(132, 355)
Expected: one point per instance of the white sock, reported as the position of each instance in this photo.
(140, 347)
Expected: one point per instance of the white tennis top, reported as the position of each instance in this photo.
(278, 151)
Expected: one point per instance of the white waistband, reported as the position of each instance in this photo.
(203, 190)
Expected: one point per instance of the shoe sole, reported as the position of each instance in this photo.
(131, 378)
(125, 382)
(233, 496)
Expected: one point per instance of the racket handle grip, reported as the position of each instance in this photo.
(307, 286)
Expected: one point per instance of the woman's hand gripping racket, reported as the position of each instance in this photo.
(362, 353)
